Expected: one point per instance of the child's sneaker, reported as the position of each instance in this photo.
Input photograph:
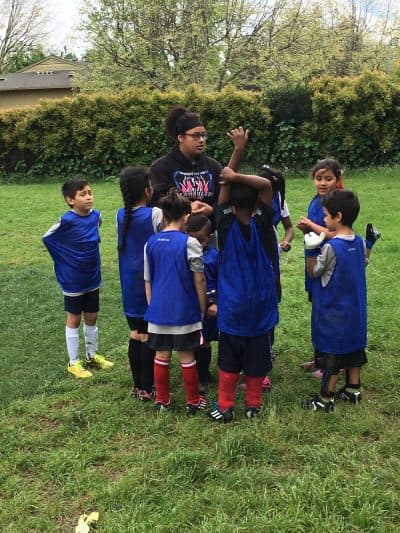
(218, 415)
(135, 392)
(192, 409)
(316, 403)
(266, 384)
(348, 396)
(145, 396)
(160, 406)
(252, 412)
(100, 361)
(308, 366)
(317, 374)
(78, 371)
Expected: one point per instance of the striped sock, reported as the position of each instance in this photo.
(190, 382)
(161, 380)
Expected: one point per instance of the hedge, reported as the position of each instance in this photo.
(355, 119)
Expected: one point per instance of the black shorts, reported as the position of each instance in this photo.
(164, 342)
(333, 363)
(250, 354)
(86, 303)
(136, 323)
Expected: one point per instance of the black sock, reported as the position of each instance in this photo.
(203, 360)
(134, 356)
(147, 363)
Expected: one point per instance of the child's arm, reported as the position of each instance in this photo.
(289, 234)
(201, 290)
(239, 138)
(306, 225)
(261, 184)
(147, 288)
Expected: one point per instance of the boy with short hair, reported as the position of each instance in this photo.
(339, 302)
(73, 244)
(247, 302)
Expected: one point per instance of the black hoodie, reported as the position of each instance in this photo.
(196, 181)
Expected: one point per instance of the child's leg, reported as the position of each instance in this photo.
(134, 357)
(161, 377)
(229, 362)
(91, 334)
(351, 392)
(190, 377)
(147, 363)
(255, 367)
(72, 337)
(203, 360)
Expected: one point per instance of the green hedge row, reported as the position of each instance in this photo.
(356, 120)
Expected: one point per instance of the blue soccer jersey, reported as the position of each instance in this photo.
(339, 310)
(174, 300)
(73, 244)
(131, 258)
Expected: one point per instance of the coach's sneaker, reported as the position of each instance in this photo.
(316, 403)
(252, 412)
(216, 414)
(348, 395)
(78, 371)
(100, 361)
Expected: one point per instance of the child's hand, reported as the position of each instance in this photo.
(371, 236)
(285, 246)
(303, 224)
(239, 137)
(212, 311)
(228, 175)
(312, 240)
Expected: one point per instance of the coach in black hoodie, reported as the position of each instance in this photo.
(187, 167)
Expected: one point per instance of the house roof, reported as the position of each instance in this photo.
(53, 63)
(21, 81)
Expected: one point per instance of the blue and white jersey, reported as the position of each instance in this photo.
(279, 211)
(339, 307)
(73, 244)
(174, 300)
(144, 222)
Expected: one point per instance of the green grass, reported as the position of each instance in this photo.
(69, 447)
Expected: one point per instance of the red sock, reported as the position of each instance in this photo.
(190, 382)
(227, 389)
(253, 391)
(161, 380)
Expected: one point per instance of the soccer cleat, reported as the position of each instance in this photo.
(266, 384)
(100, 361)
(316, 403)
(145, 396)
(192, 409)
(78, 371)
(160, 406)
(252, 412)
(348, 396)
(216, 414)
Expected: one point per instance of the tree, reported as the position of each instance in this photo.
(22, 28)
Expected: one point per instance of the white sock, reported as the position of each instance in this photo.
(72, 338)
(91, 340)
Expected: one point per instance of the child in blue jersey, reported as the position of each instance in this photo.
(135, 224)
(339, 302)
(280, 214)
(200, 227)
(327, 176)
(73, 244)
(247, 301)
(176, 294)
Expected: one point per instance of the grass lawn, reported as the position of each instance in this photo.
(69, 447)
